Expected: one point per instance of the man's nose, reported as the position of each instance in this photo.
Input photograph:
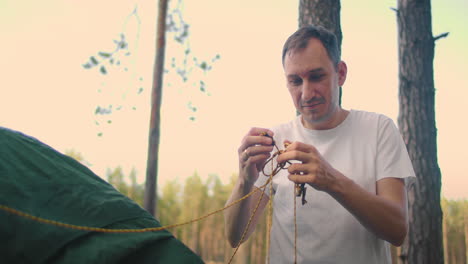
(308, 91)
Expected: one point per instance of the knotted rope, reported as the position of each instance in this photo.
(299, 190)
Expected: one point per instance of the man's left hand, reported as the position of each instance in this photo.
(313, 169)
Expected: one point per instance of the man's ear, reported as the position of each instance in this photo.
(342, 72)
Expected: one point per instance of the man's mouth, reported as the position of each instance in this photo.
(312, 105)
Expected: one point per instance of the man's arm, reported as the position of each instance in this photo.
(253, 153)
(237, 217)
(383, 213)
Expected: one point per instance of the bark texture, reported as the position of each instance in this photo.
(325, 13)
(149, 201)
(417, 125)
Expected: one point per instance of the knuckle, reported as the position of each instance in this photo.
(253, 131)
(295, 154)
(239, 150)
(244, 141)
(313, 149)
(247, 152)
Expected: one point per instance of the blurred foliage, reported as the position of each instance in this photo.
(455, 230)
(184, 64)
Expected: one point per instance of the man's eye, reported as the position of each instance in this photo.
(295, 82)
(316, 77)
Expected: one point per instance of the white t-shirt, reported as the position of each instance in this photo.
(365, 147)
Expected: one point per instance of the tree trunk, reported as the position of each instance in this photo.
(416, 121)
(155, 119)
(445, 232)
(325, 13)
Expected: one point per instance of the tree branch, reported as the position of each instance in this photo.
(443, 35)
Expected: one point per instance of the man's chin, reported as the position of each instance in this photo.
(313, 118)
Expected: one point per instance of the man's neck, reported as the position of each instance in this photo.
(335, 120)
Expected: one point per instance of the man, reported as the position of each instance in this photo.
(353, 164)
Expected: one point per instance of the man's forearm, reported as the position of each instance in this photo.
(237, 216)
(384, 214)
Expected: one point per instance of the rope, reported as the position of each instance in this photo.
(295, 230)
(106, 230)
(299, 190)
(250, 218)
(270, 214)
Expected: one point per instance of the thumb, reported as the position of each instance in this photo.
(286, 143)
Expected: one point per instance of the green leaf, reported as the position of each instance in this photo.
(204, 66)
(192, 118)
(99, 134)
(104, 54)
(93, 60)
(98, 110)
(202, 86)
(140, 90)
(87, 65)
(103, 70)
(109, 121)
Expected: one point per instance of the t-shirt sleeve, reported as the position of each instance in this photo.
(392, 157)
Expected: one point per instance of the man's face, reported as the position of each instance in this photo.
(313, 83)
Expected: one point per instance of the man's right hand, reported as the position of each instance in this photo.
(254, 151)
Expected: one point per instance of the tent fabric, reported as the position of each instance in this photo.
(38, 180)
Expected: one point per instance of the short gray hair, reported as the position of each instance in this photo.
(299, 40)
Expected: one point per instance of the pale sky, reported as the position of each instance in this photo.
(47, 94)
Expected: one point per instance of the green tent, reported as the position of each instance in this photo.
(36, 179)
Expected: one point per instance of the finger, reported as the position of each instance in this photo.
(291, 155)
(250, 153)
(299, 169)
(286, 143)
(257, 131)
(259, 159)
(250, 141)
(258, 149)
(297, 178)
(300, 147)
(244, 156)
